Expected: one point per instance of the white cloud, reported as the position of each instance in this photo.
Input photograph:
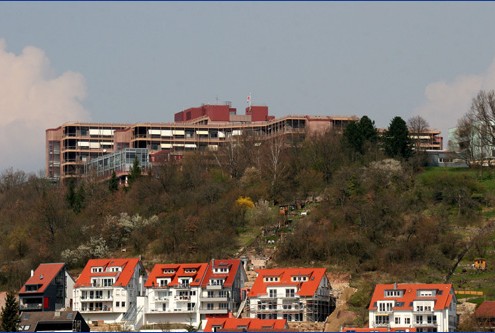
(32, 99)
(446, 102)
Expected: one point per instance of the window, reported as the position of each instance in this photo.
(393, 293)
(117, 304)
(407, 321)
(190, 306)
(96, 269)
(123, 304)
(385, 306)
(209, 306)
(273, 292)
(397, 320)
(419, 319)
(289, 292)
(382, 320)
(211, 294)
(224, 306)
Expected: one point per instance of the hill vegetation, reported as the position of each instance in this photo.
(382, 217)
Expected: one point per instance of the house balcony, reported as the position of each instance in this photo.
(161, 299)
(182, 298)
(30, 307)
(380, 324)
(96, 298)
(216, 286)
(97, 309)
(183, 286)
(215, 299)
(214, 310)
(425, 324)
(420, 312)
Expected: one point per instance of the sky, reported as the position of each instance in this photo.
(127, 62)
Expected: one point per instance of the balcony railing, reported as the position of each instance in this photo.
(213, 310)
(425, 324)
(182, 298)
(98, 309)
(97, 298)
(31, 306)
(214, 286)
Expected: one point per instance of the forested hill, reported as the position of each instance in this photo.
(373, 213)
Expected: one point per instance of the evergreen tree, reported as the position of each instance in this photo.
(113, 184)
(10, 314)
(396, 140)
(358, 133)
(135, 171)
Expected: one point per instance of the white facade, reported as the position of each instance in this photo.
(406, 306)
(105, 300)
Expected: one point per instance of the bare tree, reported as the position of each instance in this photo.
(417, 127)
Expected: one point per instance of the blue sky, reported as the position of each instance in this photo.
(144, 61)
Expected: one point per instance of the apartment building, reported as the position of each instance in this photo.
(70, 146)
(293, 294)
(221, 288)
(49, 288)
(173, 293)
(424, 307)
(107, 290)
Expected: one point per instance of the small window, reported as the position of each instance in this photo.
(123, 304)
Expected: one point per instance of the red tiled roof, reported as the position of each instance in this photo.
(128, 265)
(442, 299)
(305, 288)
(485, 310)
(157, 272)
(232, 264)
(249, 324)
(43, 276)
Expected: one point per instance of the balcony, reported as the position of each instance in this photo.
(214, 286)
(96, 298)
(182, 298)
(215, 299)
(380, 324)
(425, 324)
(98, 309)
(214, 310)
(183, 286)
(33, 306)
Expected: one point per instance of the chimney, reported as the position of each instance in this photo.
(395, 285)
(32, 272)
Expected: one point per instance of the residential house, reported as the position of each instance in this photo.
(294, 294)
(425, 307)
(246, 325)
(49, 288)
(221, 288)
(53, 321)
(173, 293)
(376, 329)
(485, 316)
(107, 290)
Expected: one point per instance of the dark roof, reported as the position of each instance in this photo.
(50, 320)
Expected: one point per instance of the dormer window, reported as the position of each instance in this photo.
(426, 293)
(163, 282)
(190, 270)
(96, 269)
(168, 271)
(115, 269)
(32, 287)
(219, 270)
(271, 279)
(299, 278)
(393, 293)
(216, 282)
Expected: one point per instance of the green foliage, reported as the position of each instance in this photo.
(10, 314)
(113, 183)
(135, 171)
(396, 140)
(361, 134)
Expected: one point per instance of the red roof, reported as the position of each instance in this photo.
(485, 310)
(179, 271)
(304, 288)
(43, 276)
(250, 324)
(443, 297)
(127, 265)
(232, 264)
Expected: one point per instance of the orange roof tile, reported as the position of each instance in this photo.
(443, 297)
(43, 276)
(157, 272)
(250, 324)
(233, 265)
(305, 288)
(485, 310)
(128, 265)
